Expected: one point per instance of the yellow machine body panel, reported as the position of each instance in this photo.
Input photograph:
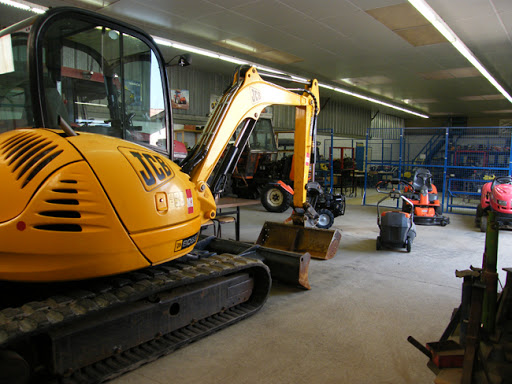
(88, 209)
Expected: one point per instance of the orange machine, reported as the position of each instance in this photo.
(423, 195)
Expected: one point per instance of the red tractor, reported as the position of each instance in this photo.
(496, 196)
(423, 195)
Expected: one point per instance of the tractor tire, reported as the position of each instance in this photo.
(483, 223)
(326, 219)
(343, 206)
(479, 214)
(275, 199)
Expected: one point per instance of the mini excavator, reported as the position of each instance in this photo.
(102, 267)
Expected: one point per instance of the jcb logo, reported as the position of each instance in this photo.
(256, 95)
(152, 169)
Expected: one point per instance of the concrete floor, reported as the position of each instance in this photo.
(352, 326)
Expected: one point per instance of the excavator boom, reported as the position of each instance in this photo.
(246, 98)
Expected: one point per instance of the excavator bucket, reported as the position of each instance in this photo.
(319, 243)
(287, 267)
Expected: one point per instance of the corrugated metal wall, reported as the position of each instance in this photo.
(346, 120)
(386, 126)
(201, 85)
(283, 117)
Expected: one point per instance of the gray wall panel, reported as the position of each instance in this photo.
(346, 120)
(201, 85)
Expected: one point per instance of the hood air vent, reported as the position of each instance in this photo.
(27, 154)
(64, 210)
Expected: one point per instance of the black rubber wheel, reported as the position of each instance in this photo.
(479, 214)
(378, 244)
(13, 368)
(483, 223)
(326, 219)
(275, 199)
(343, 206)
(408, 246)
(443, 223)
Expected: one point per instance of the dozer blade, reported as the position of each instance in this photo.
(320, 243)
(287, 267)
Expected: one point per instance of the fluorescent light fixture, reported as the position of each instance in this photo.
(371, 99)
(300, 79)
(162, 41)
(322, 85)
(24, 5)
(231, 59)
(267, 69)
(434, 19)
(376, 101)
(15, 4)
(199, 51)
(237, 44)
(38, 10)
(445, 30)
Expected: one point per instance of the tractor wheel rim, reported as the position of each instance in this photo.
(323, 220)
(276, 197)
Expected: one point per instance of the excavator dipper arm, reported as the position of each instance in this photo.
(248, 95)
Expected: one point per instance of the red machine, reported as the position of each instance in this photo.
(423, 194)
(496, 195)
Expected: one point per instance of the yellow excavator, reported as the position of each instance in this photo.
(102, 266)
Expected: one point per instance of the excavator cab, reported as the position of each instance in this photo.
(96, 78)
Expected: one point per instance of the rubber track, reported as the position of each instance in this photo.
(40, 316)
(135, 357)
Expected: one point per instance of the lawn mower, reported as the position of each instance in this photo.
(397, 228)
(423, 195)
(496, 195)
(327, 205)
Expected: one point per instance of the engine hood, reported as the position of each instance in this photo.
(147, 190)
(503, 192)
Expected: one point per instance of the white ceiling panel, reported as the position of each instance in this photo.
(178, 7)
(336, 39)
(348, 24)
(462, 9)
(327, 8)
(372, 4)
(281, 15)
(132, 10)
(502, 5)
